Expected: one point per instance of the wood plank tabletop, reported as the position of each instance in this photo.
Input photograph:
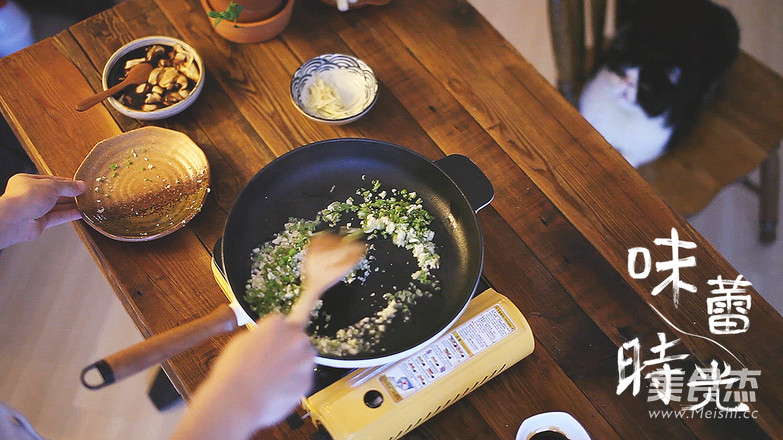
(557, 236)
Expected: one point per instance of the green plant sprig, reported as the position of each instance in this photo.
(231, 13)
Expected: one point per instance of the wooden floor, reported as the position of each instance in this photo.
(58, 313)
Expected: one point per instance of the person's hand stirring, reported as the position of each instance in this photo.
(257, 381)
(263, 373)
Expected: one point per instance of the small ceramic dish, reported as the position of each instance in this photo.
(164, 107)
(334, 88)
(143, 184)
(552, 425)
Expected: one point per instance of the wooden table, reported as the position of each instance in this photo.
(566, 212)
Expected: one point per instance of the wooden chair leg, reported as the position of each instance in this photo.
(567, 28)
(769, 196)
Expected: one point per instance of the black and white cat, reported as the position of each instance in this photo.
(662, 64)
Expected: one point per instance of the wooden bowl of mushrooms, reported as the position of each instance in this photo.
(175, 82)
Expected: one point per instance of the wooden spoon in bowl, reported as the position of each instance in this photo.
(136, 75)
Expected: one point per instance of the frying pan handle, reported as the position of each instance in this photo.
(160, 347)
(469, 178)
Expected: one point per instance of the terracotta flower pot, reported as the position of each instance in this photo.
(252, 10)
(251, 32)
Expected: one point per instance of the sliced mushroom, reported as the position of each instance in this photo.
(190, 70)
(178, 48)
(131, 63)
(142, 88)
(182, 81)
(171, 98)
(179, 58)
(158, 89)
(155, 51)
(167, 78)
(152, 98)
(155, 75)
(149, 107)
(184, 93)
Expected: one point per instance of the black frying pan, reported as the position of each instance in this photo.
(304, 181)
(301, 183)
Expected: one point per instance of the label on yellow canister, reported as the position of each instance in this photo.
(416, 372)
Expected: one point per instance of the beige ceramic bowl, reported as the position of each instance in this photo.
(143, 184)
(164, 112)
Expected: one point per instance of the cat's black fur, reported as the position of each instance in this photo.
(681, 47)
(698, 37)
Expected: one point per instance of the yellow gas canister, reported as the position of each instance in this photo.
(388, 401)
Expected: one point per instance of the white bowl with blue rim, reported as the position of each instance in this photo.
(334, 88)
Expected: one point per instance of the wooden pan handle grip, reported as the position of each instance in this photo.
(160, 347)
